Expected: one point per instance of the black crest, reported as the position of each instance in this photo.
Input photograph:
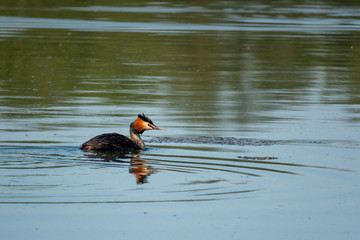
(145, 118)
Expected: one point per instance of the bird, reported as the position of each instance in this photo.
(118, 142)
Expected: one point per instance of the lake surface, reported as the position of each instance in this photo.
(260, 102)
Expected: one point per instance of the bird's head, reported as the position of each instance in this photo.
(143, 123)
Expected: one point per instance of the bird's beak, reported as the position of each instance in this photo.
(155, 127)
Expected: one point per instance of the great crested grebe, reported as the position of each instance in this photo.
(118, 142)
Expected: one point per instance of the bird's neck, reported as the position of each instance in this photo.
(135, 137)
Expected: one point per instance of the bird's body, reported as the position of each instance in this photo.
(110, 142)
(118, 142)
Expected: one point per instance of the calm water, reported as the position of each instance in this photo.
(279, 80)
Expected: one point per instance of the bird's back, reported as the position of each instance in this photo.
(110, 142)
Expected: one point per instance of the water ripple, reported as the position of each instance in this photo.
(66, 175)
(215, 140)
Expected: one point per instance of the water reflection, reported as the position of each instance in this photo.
(241, 62)
(107, 156)
(141, 168)
(185, 175)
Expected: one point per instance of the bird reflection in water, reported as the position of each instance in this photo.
(138, 166)
(140, 169)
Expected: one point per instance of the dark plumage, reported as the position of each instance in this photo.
(110, 142)
(145, 118)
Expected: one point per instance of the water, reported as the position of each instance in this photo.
(278, 82)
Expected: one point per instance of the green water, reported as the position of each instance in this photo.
(280, 72)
